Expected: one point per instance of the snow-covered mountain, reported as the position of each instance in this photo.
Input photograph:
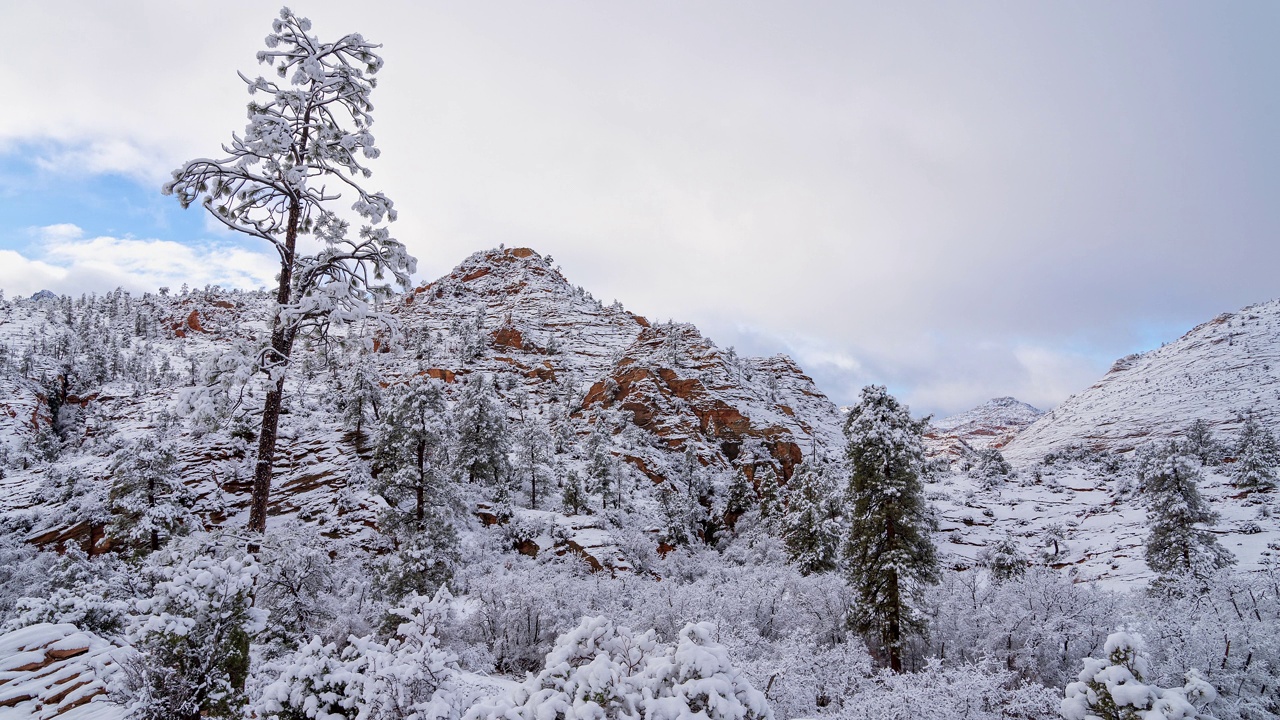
(1216, 372)
(992, 424)
(553, 353)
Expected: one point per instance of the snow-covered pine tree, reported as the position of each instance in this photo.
(305, 139)
(1118, 688)
(772, 494)
(149, 501)
(601, 467)
(483, 438)
(1177, 543)
(362, 396)
(811, 527)
(1256, 455)
(888, 554)
(739, 498)
(1199, 440)
(412, 455)
(575, 500)
(414, 435)
(534, 450)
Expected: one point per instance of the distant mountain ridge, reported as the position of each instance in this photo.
(992, 424)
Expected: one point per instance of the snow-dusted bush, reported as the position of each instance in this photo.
(1117, 688)
(938, 692)
(192, 637)
(599, 670)
(405, 677)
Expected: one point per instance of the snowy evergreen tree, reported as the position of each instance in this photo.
(1177, 543)
(1004, 559)
(1256, 456)
(362, 396)
(412, 453)
(483, 437)
(811, 527)
(603, 476)
(412, 457)
(1118, 688)
(305, 139)
(990, 468)
(1199, 441)
(738, 498)
(192, 640)
(888, 554)
(149, 501)
(575, 500)
(772, 495)
(534, 451)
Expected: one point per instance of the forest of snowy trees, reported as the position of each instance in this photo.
(292, 504)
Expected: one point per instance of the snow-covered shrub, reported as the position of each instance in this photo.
(938, 692)
(192, 637)
(599, 670)
(92, 593)
(1117, 688)
(990, 468)
(406, 677)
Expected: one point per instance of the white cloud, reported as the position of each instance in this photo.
(69, 263)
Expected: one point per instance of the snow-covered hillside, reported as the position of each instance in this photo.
(1216, 372)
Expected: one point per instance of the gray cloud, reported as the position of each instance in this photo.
(959, 201)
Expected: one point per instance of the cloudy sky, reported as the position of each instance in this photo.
(958, 200)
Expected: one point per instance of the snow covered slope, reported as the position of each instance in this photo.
(1221, 369)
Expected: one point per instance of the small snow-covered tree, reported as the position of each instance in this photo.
(1004, 559)
(990, 468)
(1118, 689)
(888, 554)
(1256, 454)
(362, 396)
(307, 139)
(1199, 440)
(192, 640)
(148, 498)
(575, 500)
(1053, 543)
(811, 527)
(412, 452)
(483, 439)
(1178, 543)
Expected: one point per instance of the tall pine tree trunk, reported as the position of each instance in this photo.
(281, 349)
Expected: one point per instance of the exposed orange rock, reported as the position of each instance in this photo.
(193, 321)
(521, 252)
(508, 337)
(476, 274)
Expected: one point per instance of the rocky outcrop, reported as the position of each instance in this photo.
(56, 671)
